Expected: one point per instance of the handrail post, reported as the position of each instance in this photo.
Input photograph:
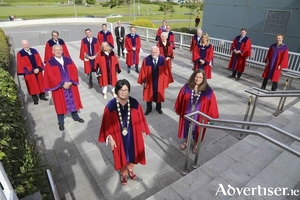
(241, 135)
(287, 87)
(195, 165)
(253, 110)
(281, 98)
(186, 162)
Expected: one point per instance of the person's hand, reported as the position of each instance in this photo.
(112, 143)
(67, 85)
(202, 61)
(92, 57)
(144, 85)
(168, 58)
(133, 48)
(36, 71)
(279, 67)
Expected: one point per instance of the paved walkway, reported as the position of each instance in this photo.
(83, 168)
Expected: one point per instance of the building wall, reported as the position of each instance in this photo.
(224, 18)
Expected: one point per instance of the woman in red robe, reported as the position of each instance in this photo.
(203, 55)
(109, 68)
(195, 95)
(124, 125)
(166, 50)
(277, 58)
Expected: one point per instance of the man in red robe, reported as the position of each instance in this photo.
(154, 77)
(30, 65)
(105, 36)
(49, 44)
(61, 78)
(89, 50)
(124, 125)
(195, 41)
(132, 47)
(277, 58)
(160, 30)
(171, 37)
(241, 50)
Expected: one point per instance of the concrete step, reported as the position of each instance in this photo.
(251, 162)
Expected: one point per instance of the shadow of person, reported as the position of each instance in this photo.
(66, 154)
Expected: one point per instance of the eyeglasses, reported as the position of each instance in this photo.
(54, 35)
(125, 90)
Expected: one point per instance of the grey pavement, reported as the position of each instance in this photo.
(83, 168)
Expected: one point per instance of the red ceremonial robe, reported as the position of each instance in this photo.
(207, 104)
(55, 75)
(110, 125)
(238, 61)
(276, 56)
(194, 43)
(156, 79)
(167, 51)
(159, 31)
(132, 57)
(102, 37)
(25, 66)
(109, 67)
(91, 49)
(205, 53)
(48, 49)
(171, 39)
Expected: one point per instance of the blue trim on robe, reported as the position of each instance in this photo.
(31, 59)
(155, 73)
(128, 140)
(273, 61)
(238, 46)
(202, 52)
(60, 41)
(87, 43)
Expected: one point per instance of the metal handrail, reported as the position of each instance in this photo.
(267, 93)
(190, 118)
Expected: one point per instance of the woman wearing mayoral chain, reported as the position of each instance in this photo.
(195, 95)
(123, 127)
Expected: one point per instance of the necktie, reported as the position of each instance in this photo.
(155, 62)
(90, 42)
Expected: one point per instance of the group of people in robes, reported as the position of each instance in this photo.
(124, 124)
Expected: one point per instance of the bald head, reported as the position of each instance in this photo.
(25, 44)
(199, 32)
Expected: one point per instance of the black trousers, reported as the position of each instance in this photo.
(120, 46)
(149, 106)
(239, 74)
(274, 85)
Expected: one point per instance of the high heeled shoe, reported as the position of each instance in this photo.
(124, 180)
(131, 174)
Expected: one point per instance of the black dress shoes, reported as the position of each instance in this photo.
(147, 112)
(160, 111)
(61, 127)
(44, 98)
(36, 102)
(79, 120)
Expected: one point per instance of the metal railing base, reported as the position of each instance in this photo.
(185, 172)
(195, 166)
